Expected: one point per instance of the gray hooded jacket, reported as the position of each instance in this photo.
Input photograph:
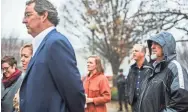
(166, 89)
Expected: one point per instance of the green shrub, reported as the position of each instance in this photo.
(114, 93)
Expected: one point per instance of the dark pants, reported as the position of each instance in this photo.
(134, 106)
(122, 98)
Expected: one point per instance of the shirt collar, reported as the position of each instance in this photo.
(38, 39)
(135, 65)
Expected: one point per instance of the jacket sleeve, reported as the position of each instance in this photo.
(178, 100)
(128, 78)
(63, 67)
(104, 91)
(128, 86)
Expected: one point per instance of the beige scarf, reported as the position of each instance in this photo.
(16, 101)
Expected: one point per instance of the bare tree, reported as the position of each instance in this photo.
(182, 54)
(10, 46)
(156, 15)
(111, 34)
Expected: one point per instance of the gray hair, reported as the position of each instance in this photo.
(143, 48)
(42, 6)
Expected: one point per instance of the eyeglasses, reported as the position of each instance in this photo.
(5, 68)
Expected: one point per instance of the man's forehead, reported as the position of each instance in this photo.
(30, 6)
(155, 43)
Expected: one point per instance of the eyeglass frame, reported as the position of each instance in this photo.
(5, 68)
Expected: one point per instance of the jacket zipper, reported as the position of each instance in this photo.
(146, 86)
(88, 88)
(88, 93)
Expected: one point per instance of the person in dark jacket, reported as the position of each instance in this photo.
(121, 84)
(137, 74)
(166, 89)
(11, 82)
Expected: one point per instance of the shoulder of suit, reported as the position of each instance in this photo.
(56, 36)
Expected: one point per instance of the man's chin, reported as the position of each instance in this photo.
(28, 31)
(134, 58)
(153, 56)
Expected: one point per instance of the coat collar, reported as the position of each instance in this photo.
(135, 65)
(5, 91)
(93, 76)
(37, 52)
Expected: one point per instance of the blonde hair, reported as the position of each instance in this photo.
(99, 66)
(30, 46)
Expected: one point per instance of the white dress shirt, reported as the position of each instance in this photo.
(39, 38)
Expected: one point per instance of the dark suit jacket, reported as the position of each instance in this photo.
(52, 82)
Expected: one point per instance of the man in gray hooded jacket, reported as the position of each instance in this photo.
(166, 88)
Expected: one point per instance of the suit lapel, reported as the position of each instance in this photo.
(5, 92)
(34, 57)
(36, 53)
(10, 88)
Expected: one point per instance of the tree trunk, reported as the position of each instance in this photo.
(115, 68)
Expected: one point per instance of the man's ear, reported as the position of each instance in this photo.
(44, 16)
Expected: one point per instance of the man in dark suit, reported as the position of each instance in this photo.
(52, 82)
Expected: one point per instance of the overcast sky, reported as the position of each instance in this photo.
(12, 15)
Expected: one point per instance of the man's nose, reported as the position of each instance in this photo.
(22, 59)
(24, 20)
(152, 46)
(133, 51)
